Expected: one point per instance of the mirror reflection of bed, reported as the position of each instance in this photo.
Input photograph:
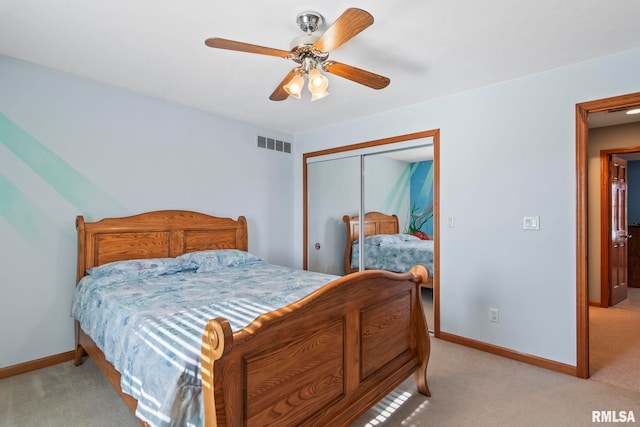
(386, 247)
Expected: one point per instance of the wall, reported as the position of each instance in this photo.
(506, 151)
(606, 138)
(70, 146)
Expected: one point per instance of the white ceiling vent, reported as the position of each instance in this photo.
(274, 144)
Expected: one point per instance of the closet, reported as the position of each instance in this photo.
(351, 180)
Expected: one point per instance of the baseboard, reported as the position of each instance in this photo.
(505, 352)
(597, 304)
(33, 365)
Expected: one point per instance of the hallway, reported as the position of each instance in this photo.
(614, 342)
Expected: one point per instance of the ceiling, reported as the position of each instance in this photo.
(429, 49)
(617, 116)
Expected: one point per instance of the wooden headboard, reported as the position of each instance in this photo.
(158, 234)
(374, 223)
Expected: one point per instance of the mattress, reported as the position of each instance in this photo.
(393, 252)
(150, 326)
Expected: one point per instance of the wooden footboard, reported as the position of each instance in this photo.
(324, 360)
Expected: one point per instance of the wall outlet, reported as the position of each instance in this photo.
(494, 315)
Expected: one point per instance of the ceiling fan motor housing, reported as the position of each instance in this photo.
(309, 21)
(305, 40)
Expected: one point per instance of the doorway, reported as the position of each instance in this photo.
(619, 254)
(582, 278)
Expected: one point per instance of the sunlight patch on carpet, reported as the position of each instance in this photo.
(387, 406)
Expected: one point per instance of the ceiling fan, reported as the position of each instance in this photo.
(312, 53)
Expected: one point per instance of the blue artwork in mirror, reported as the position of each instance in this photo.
(421, 200)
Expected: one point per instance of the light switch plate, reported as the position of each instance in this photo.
(450, 222)
(531, 223)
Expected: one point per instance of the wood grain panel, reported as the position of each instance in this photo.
(387, 228)
(199, 240)
(311, 368)
(369, 229)
(124, 246)
(386, 333)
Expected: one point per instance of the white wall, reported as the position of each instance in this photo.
(506, 151)
(71, 146)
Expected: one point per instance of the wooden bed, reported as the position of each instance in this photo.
(323, 360)
(374, 223)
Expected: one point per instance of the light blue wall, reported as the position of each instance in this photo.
(71, 146)
(506, 151)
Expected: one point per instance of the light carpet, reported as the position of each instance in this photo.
(469, 388)
(632, 302)
(614, 346)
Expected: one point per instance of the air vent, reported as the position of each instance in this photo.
(274, 144)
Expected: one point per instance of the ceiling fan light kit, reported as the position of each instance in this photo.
(294, 87)
(312, 53)
(317, 85)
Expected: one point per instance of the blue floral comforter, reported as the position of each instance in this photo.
(394, 252)
(149, 320)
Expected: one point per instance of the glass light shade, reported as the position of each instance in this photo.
(318, 95)
(317, 85)
(317, 82)
(294, 87)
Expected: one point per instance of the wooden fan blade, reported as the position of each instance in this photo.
(347, 26)
(367, 78)
(280, 94)
(244, 47)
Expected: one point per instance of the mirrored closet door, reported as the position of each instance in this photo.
(344, 184)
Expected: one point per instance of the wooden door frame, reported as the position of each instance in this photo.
(582, 189)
